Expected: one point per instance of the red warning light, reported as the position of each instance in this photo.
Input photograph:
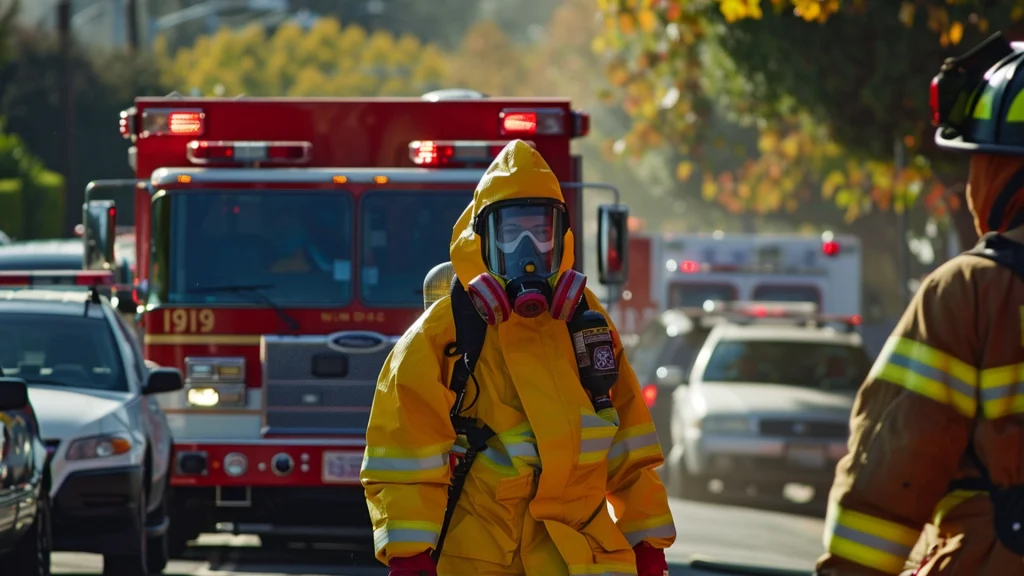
(830, 248)
(689, 266)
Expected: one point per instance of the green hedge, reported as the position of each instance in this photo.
(31, 196)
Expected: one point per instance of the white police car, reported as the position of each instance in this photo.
(108, 440)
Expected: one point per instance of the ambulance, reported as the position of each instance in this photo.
(686, 270)
(281, 249)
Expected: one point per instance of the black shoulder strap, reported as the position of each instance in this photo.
(1002, 251)
(470, 331)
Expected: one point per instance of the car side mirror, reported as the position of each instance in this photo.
(13, 394)
(612, 243)
(162, 380)
(99, 218)
(671, 376)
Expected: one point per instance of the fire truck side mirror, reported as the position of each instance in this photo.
(612, 243)
(99, 218)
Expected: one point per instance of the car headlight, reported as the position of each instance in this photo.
(99, 447)
(216, 382)
(727, 425)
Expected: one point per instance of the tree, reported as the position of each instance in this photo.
(104, 85)
(327, 60)
(828, 86)
(31, 197)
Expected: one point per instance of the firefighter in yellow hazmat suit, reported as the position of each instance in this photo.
(535, 502)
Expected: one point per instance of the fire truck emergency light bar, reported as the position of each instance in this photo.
(27, 278)
(454, 153)
(205, 152)
(165, 122)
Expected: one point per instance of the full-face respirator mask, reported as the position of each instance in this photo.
(522, 248)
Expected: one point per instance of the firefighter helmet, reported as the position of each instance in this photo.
(977, 100)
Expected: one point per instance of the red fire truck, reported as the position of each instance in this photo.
(282, 246)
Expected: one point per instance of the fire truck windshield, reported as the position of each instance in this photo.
(296, 244)
(694, 294)
(404, 235)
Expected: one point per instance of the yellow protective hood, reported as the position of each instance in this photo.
(518, 171)
(989, 175)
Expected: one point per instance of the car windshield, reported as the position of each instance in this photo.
(805, 364)
(295, 245)
(693, 295)
(404, 235)
(35, 347)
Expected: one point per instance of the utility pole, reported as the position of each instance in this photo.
(72, 194)
(901, 208)
(131, 17)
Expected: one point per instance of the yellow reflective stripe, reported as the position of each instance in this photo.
(405, 464)
(1002, 391)
(867, 540)
(596, 435)
(983, 110)
(640, 530)
(929, 372)
(952, 500)
(606, 569)
(1016, 111)
(633, 442)
(404, 532)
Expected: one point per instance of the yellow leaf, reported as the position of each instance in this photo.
(709, 189)
(907, 10)
(956, 33)
(791, 146)
(684, 170)
(767, 142)
(626, 25)
(1017, 13)
(834, 180)
(754, 9)
(733, 10)
(648, 21)
(809, 10)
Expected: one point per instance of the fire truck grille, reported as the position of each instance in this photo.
(297, 401)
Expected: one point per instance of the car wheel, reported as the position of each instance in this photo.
(686, 485)
(133, 562)
(31, 556)
(158, 547)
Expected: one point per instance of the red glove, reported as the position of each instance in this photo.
(419, 565)
(650, 561)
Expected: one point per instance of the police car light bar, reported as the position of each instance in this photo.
(248, 152)
(533, 121)
(29, 278)
(453, 153)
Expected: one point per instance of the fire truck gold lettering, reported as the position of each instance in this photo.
(359, 316)
(181, 321)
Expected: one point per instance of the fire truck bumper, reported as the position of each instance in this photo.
(323, 513)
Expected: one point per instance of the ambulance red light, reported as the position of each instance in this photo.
(57, 278)
(247, 152)
(830, 248)
(650, 394)
(689, 266)
(166, 122)
(533, 121)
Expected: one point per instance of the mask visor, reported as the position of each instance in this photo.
(523, 240)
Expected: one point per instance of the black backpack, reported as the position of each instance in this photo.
(470, 332)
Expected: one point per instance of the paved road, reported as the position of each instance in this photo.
(730, 533)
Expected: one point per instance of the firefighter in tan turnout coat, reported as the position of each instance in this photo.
(938, 427)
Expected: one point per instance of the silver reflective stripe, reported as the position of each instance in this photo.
(635, 443)
(941, 376)
(637, 536)
(522, 450)
(871, 541)
(592, 421)
(1001, 392)
(596, 444)
(382, 537)
(403, 464)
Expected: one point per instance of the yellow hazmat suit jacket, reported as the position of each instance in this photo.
(553, 464)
